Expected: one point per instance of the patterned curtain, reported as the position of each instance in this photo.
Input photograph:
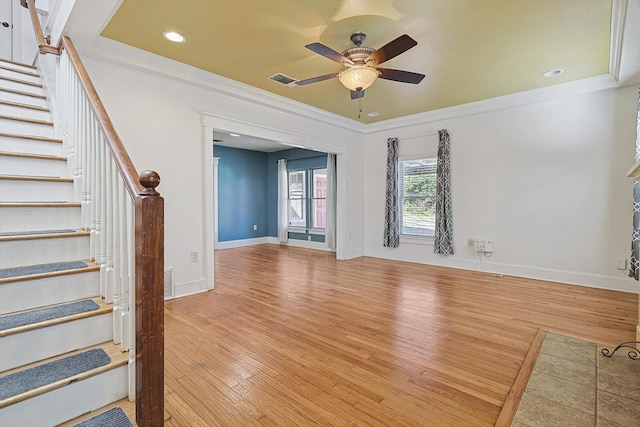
(391, 214)
(443, 243)
(634, 270)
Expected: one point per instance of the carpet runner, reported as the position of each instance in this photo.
(40, 269)
(44, 314)
(42, 375)
(114, 417)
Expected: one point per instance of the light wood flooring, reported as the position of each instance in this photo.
(292, 337)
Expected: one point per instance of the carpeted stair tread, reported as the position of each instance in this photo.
(40, 269)
(26, 233)
(49, 373)
(114, 417)
(48, 313)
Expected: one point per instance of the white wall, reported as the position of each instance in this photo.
(546, 182)
(159, 120)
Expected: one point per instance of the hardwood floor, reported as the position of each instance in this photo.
(293, 337)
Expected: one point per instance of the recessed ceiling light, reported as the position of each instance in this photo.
(373, 114)
(553, 73)
(233, 134)
(174, 37)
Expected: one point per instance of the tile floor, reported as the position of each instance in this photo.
(573, 384)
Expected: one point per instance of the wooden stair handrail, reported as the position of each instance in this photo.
(43, 43)
(122, 159)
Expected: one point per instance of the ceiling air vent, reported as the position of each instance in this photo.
(283, 79)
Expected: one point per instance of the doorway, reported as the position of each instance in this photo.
(214, 123)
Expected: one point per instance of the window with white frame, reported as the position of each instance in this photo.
(417, 190)
(297, 199)
(319, 198)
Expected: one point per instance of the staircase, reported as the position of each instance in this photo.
(55, 329)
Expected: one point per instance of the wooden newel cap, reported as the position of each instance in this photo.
(149, 180)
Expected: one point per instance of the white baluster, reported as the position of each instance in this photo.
(117, 260)
(109, 223)
(131, 327)
(79, 153)
(102, 187)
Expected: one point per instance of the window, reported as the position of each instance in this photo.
(319, 198)
(417, 188)
(297, 199)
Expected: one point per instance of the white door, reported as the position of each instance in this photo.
(6, 29)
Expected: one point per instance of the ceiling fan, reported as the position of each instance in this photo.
(362, 64)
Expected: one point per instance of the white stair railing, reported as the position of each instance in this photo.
(107, 210)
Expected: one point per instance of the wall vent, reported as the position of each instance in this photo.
(283, 79)
(169, 285)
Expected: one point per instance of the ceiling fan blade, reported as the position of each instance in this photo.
(400, 75)
(327, 52)
(357, 94)
(316, 79)
(391, 49)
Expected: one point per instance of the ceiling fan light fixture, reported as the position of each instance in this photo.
(358, 77)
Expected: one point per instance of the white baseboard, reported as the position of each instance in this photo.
(189, 288)
(353, 253)
(623, 284)
(308, 244)
(273, 240)
(246, 242)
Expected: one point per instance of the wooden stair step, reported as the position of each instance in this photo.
(118, 359)
(22, 64)
(20, 92)
(91, 266)
(34, 178)
(15, 70)
(33, 156)
(103, 308)
(28, 106)
(127, 406)
(25, 120)
(36, 235)
(24, 82)
(57, 204)
(31, 137)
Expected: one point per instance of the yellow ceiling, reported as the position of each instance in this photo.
(470, 50)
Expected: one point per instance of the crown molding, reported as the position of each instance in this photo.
(103, 49)
(618, 17)
(591, 84)
(113, 52)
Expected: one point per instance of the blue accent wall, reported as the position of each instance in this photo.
(248, 190)
(242, 193)
(297, 159)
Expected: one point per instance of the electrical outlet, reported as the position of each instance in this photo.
(194, 256)
(483, 245)
(621, 264)
(255, 227)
